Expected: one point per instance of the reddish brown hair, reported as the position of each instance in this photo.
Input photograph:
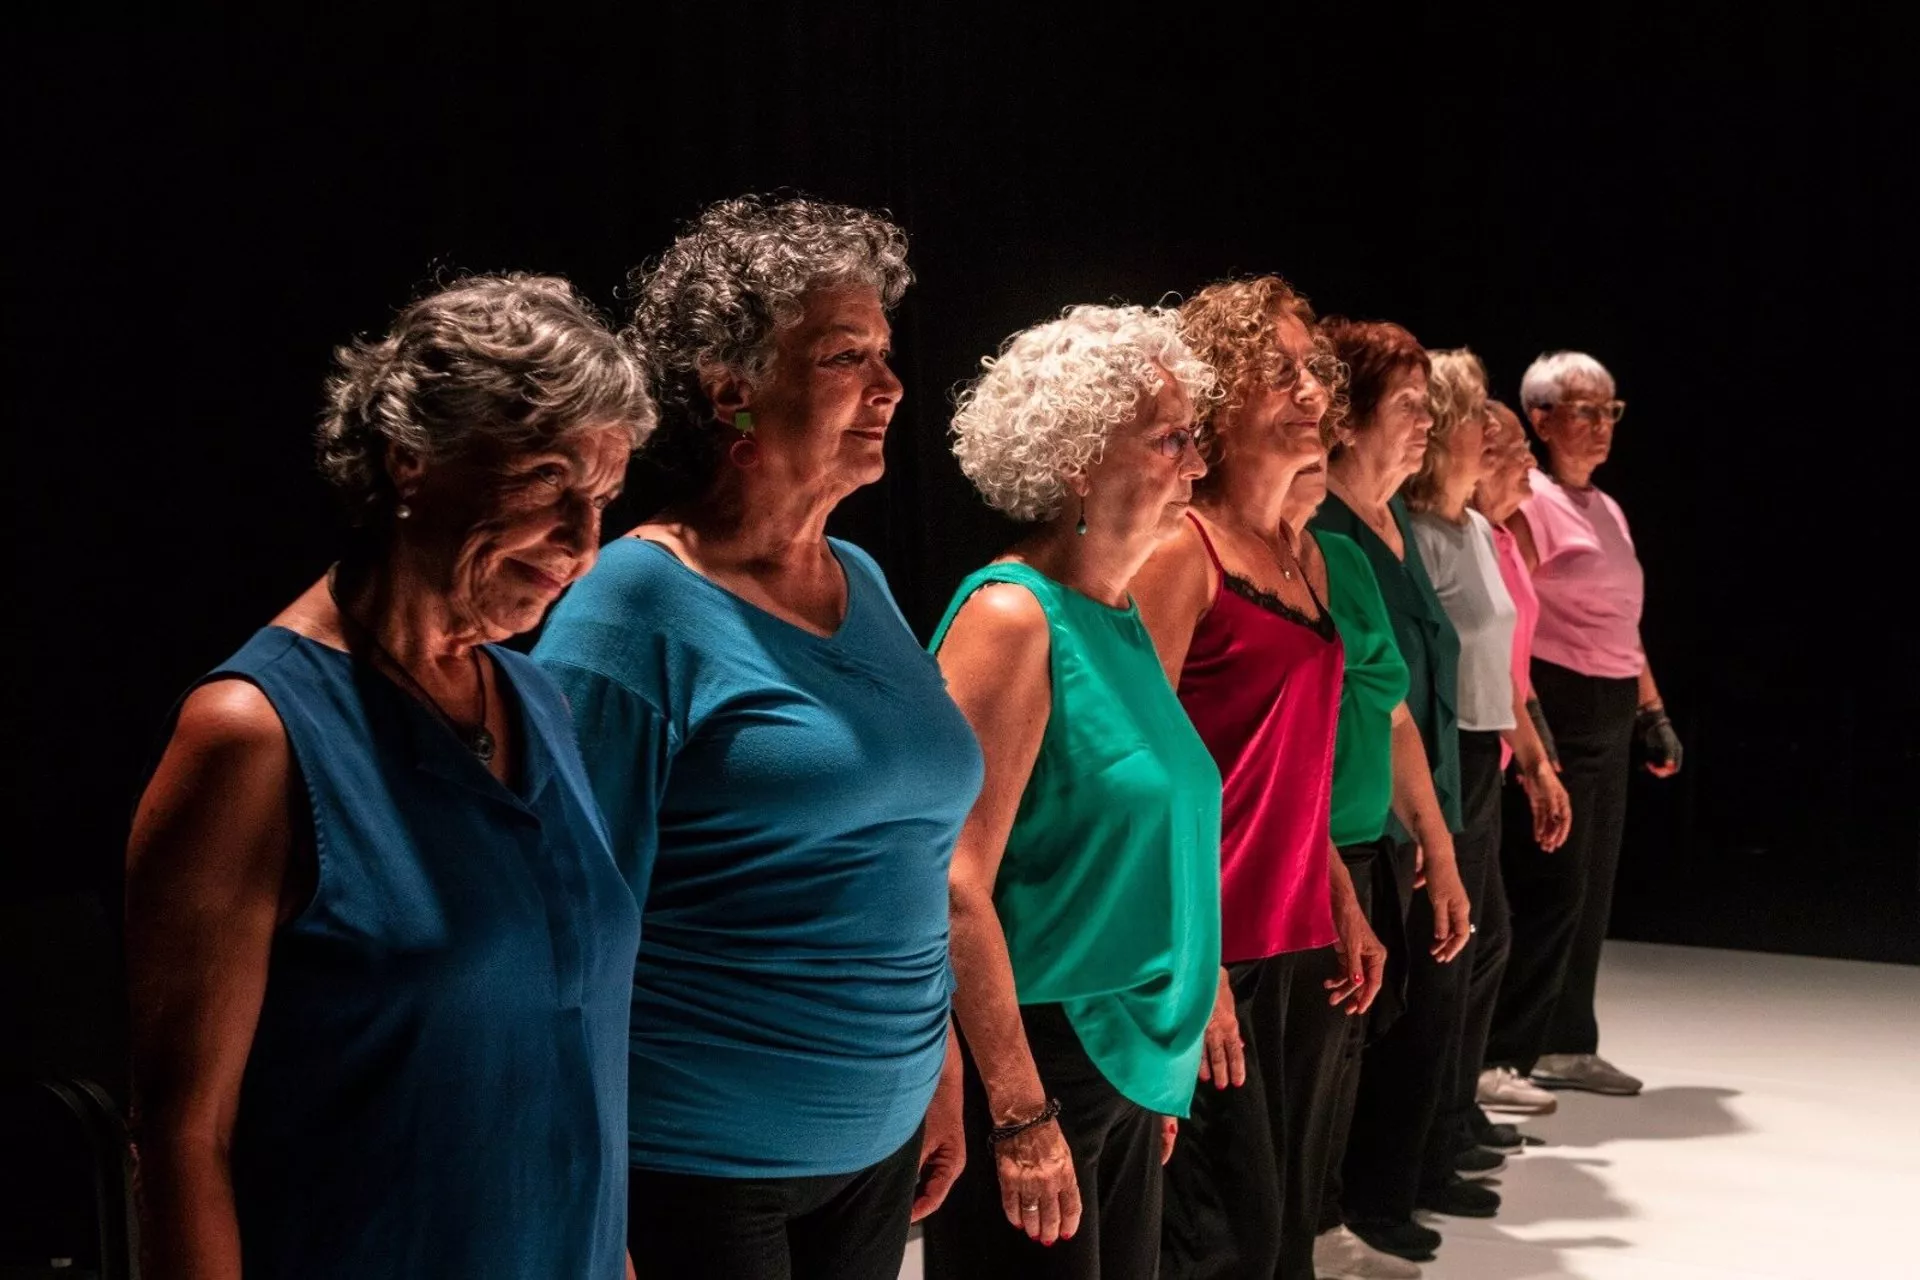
(1373, 351)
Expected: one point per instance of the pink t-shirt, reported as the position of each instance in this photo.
(1589, 582)
(1526, 608)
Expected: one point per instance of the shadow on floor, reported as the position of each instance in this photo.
(1682, 1111)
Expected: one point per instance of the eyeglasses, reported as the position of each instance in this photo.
(1591, 414)
(1175, 443)
(1325, 367)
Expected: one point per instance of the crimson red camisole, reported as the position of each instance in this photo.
(1262, 686)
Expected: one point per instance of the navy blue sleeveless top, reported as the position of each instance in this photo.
(438, 1083)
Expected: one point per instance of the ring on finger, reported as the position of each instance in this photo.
(1030, 1208)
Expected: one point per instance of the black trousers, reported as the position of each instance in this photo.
(1477, 849)
(842, 1227)
(1561, 901)
(1116, 1158)
(1244, 1184)
(1403, 1074)
(1366, 864)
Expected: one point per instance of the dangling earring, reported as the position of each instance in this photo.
(1080, 526)
(402, 512)
(744, 452)
(743, 422)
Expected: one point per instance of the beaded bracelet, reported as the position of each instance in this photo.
(1000, 1133)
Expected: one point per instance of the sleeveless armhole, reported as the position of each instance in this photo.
(297, 782)
(1012, 573)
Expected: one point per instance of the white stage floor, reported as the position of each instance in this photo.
(1778, 1137)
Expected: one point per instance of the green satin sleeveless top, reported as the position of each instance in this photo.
(1109, 892)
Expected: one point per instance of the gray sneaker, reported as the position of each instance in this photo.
(1588, 1071)
(1341, 1255)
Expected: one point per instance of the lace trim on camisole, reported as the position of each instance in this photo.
(1322, 625)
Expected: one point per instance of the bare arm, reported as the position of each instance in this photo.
(208, 872)
(1523, 536)
(1552, 814)
(1417, 806)
(996, 658)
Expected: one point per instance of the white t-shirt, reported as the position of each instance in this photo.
(1465, 570)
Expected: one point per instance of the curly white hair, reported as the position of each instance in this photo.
(1045, 407)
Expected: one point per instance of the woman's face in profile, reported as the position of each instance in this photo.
(510, 533)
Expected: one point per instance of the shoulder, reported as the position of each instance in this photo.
(1338, 549)
(858, 557)
(229, 714)
(1003, 612)
(1181, 563)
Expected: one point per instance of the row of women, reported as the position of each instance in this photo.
(733, 929)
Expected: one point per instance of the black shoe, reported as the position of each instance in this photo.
(1500, 1137)
(1460, 1199)
(1407, 1240)
(1478, 1162)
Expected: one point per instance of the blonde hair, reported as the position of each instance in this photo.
(1456, 393)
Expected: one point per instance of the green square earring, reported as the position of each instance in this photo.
(743, 423)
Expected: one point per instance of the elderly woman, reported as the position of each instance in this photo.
(1498, 495)
(1456, 545)
(1086, 886)
(1236, 611)
(1380, 769)
(1596, 687)
(378, 949)
(1402, 1073)
(782, 771)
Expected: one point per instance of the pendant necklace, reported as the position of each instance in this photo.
(479, 740)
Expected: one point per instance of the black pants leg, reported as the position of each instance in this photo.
(1401, 1077)
(1116, 1157)
(1561, 901)
(1315, 1054)
(1363, 864)
(1223, 1207)
(1477, 849)
(843, 1227)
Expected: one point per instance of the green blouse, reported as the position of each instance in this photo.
(1376, 683)
(1427, 641)
(1109, 892)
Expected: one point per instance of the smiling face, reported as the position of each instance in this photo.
(1143, 482)
(1280, 419)
(822, 411)
(503, 536)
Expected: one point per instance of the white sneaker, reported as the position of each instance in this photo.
(1504, 1089)
(1588, 1071)
(1341, 1255)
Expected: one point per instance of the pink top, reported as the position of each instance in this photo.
(1589, 582)
(1262, 686)
(1526, 607)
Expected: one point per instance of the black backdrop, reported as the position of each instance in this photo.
(1704, 197)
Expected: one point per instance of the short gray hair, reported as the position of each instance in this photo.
(741, 271)
(509, 361)
(1547, 379)
(1044, 408)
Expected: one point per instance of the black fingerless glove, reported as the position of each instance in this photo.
(1659, 744)
(1539, 718)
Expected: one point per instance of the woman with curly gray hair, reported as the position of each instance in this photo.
(378, 948)
(1086, 884)
(781, 769)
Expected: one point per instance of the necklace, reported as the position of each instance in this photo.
(479, 739)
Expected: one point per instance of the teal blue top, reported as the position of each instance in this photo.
(437, 1083)
(785, 805)
(1427, 641)
(1109, 891)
